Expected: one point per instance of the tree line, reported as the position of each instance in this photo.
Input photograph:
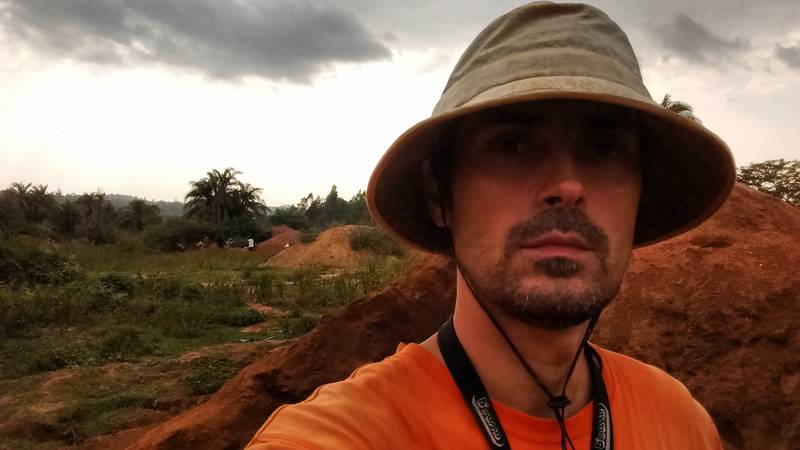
(217, 208)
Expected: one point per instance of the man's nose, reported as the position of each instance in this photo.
(563, 184)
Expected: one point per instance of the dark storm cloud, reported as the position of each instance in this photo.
(789, 55)
(277, 39)
(693, 41)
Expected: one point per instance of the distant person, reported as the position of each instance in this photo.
(544, 163)
(251, 245)
(228, 243)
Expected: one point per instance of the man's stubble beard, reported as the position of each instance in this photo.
(555, 303)
(555, 306)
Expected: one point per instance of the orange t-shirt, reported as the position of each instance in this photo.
(409, 401)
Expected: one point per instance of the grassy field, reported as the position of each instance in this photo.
(100, 338)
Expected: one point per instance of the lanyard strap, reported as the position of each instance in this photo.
(479, 403)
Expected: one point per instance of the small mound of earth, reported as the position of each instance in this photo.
(330, 249)
(282, 238)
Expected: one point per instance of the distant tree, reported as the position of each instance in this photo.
(220, 196)
(776, 177)
(12, 214)
(96, 216)
(40, 204)
(321, 214)
(19, 189)
(313, 210)
(67, 218)
(358, 213)
(334, 209)
(290, 216)
(35, 202)
(247, 202)
(210, 197)
(679, 107)
(138, 215)
(176, 233)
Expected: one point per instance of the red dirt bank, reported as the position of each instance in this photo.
(717, 308)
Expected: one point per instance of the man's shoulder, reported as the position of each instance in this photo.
(354, 411)
(626, 372)
(651, 391)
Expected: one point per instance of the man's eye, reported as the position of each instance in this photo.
(603, 149)
(511, 143)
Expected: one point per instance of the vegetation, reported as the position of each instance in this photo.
(99, 302)
(775, 177)
(118, 318)
(208, 374)
(313, 214)
(373, 238)
(679, 107)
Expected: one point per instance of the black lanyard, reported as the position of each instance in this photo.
(478, 402)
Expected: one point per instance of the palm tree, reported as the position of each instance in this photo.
(40, 204)
(95, 213)
(247, 201)
(220, 196)
(211, 198)
(139, 214)
(679, 107)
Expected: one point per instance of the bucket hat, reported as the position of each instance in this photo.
(548, 51)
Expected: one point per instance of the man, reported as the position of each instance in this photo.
(544, 163)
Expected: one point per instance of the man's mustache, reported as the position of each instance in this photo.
(565, 220)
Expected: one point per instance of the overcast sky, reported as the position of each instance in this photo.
(142, 96)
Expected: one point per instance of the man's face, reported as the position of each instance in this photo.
(543, 211)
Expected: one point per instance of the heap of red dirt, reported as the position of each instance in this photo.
(330, 249)
(281, 236)
(716, 307)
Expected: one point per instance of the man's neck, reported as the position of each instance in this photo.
(548, 352)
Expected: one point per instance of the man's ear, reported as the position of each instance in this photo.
(434, 195)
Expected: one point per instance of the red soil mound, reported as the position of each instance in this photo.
(330, 249)
(281, 236)
(716, 307)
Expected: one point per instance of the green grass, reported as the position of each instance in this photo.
(111, 257)
(207, 374)
(126, 305)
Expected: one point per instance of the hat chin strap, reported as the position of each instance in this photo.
(557, 403)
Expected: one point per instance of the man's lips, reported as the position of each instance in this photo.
(558, 243)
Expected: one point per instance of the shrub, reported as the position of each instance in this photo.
(372, 238)
(174, 288)
(24, 261)
(208, 374)
(268, 289)
(176, 232)
(123, 343)
(26, 307)
(128, 242)
(26, 358)
(309, 236)
(242, 317)
(297, 322)
(119, 283)
(182, 319)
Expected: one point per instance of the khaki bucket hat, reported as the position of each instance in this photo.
(548, 51)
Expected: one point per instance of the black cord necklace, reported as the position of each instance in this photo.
(481, 406)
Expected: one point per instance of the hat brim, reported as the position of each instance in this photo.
(687, 175)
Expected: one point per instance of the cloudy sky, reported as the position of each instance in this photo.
(142, 96)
